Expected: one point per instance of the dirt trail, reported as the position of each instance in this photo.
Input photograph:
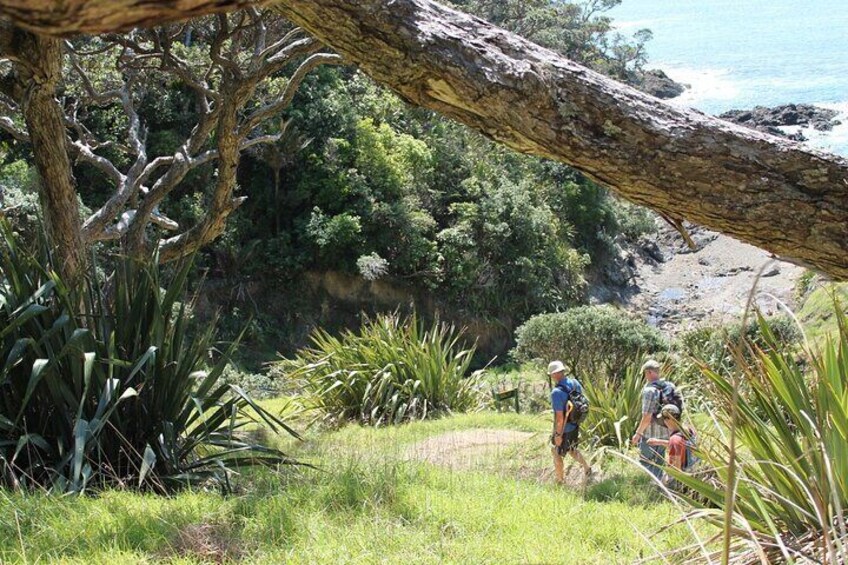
(468, 449)
(520, 455)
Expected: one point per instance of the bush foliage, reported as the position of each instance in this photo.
(589, 340)
(391, 371)
(713, 346)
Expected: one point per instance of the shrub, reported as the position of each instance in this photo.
(790, 488)
(391, 371)
(633, 220)
(258, 385)
(709, 345)
(805, 284)
(590, 340)
(102, 388)
(19, 199)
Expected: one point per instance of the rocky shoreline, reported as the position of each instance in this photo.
(676, 289)
(770, 120)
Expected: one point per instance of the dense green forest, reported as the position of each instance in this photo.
(360, 183)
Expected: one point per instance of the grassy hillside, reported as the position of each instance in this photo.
(372, 498)
(817, 312)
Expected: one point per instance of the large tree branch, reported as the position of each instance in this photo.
(773, 193)
(83, 152)
(9, 126)
(94, 97)
(222, 203)
(283, 101)
(770, 192)
(277, 45)
(96, 226)
(262, 66)
(100, 16)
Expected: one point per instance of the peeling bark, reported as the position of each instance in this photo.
(770, 192)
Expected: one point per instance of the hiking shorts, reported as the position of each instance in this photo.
(569, 441)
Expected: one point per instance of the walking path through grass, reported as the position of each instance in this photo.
(373, 500)
(467, 449)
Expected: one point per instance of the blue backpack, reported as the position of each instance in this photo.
(579, 402)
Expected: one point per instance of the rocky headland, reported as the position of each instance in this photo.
(656, 83)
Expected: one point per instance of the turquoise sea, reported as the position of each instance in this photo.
(736, 54)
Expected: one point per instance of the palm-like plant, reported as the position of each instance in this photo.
(104, 387)
(791, 476)
(392, 370)
(615, 406)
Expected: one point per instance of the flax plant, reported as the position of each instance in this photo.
(615, 407)
(390, 371)
(791, 483)
(107, 386)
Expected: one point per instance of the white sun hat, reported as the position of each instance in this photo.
(650, 364)
(555, 367)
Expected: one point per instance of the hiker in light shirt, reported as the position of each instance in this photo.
(651, 426)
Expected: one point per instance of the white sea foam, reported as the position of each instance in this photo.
(702, 85)
(835, 140)
(737, 55)
(715, 87)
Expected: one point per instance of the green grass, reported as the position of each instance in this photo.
(816, 314)
(365, 504)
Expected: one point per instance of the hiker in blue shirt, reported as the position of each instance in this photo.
(566, 432)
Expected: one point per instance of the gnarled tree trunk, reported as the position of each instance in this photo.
(761, 189)
(38, 65)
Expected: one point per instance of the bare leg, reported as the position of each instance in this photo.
(559, 473)
(575, 453)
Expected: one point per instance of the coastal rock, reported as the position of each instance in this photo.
(650, 248)
(732, 271)
(657, 83)
(769, 120)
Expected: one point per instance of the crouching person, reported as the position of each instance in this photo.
(678, 446)
(570, 407)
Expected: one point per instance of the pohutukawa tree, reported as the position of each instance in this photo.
(242, 71)
(770, 192)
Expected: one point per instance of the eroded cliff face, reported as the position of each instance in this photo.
(334, 301)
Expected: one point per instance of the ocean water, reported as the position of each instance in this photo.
(737, 54)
